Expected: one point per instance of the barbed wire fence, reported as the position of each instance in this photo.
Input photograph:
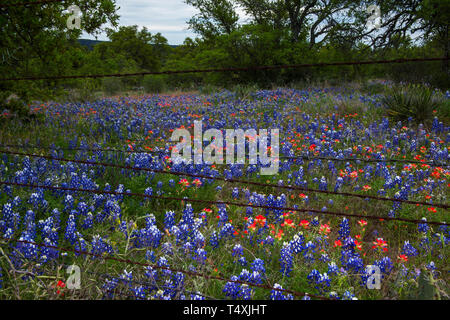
(230, 180)
(155, 266)
(211, 202)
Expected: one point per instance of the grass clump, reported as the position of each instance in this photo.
(418, 103)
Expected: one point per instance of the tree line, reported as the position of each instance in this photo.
(35, 41)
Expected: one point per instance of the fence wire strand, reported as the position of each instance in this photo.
(230, 180)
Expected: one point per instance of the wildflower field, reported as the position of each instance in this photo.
(309, 232)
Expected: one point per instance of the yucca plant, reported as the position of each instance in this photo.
(415, 102)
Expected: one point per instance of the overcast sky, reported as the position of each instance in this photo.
(168, 17)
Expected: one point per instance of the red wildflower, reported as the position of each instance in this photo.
(304, 224)
(380, 244)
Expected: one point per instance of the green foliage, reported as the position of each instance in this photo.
(415, 102)
(112, 86)
(17, 108)
(426, 290)
(426, 287)
(244, 91)
(134, 45)
(154, 84)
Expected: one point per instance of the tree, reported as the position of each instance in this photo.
(141, 46)
(41, 42)
(216, 17)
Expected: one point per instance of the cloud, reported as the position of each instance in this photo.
(168, 17)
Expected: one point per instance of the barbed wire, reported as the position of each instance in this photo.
(230, 180)
(292, 66)
(110, 276)
(431, 163)
(230, 203)
(187, 272)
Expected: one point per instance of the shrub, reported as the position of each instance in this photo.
(154, 84)
(412, 102)
(112, 86)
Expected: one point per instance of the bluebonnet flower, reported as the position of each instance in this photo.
(226, 231)
(334, 295)
(167, 248)
(139, 292)
(169, 219)
(200, 255)
(109, 286)
(278, 295)
(88, 221)
(309, 250)
(238, 250)
(423, 227)
(296, 243)
(188, 216)
(148, 191)
(68, 203)
(255, 277)
(223, 216)
(385, 265)
(339, 183)
(127, 278)
(150, 256)
(244, 275)
(164, 264)
(100, 246)
(80, 247)
(344, 230)
(71, 230)
(199, 239)
(242, 261)
(197, 296)
(245, 292)
(323, 184)
(231, 289)
(178, 280)
(152, 275)
(324, 258)
(258, 266)
(235, 193)
(214, 240)
(82, 208)
(268, 240)
(348, 296)
(286, 259)
(333, 268)
(409, 250)
(432, 267)
(315, 221)
(321, 280)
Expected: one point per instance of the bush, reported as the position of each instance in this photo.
(112, 86)
(412, 102)
(154, 84)
(243, 91)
